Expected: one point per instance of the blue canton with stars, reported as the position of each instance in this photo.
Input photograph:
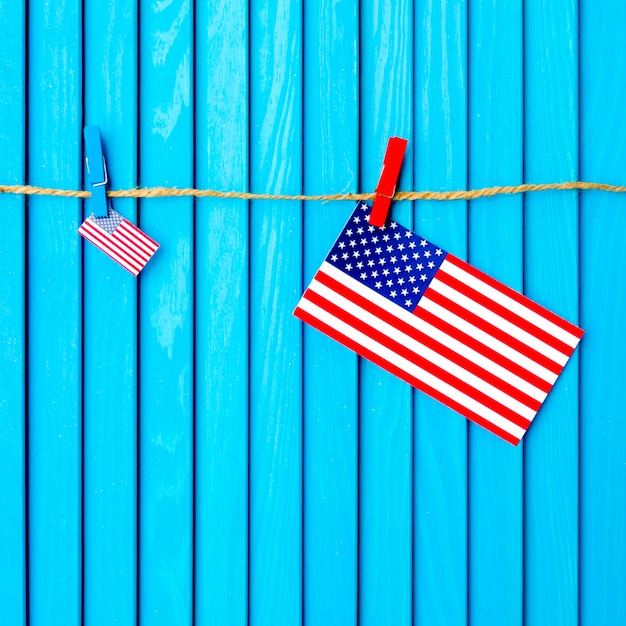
(109, 223)
(391, 260)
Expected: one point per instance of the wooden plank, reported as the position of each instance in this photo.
(551, 278)
(385, 429)
(330, 371)
(221, 452)
(440, 435)
(12, 320)
(54, 315)
(166, 317)
(110, 331)
(603, 349)
(496, 150)
(275, 335)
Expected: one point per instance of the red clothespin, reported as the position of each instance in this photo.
(388, 178)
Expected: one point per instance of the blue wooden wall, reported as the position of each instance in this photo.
(178, 449)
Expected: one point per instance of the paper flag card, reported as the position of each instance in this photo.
(120, 239)
(439, 324)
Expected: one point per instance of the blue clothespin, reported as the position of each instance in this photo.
(96, 171)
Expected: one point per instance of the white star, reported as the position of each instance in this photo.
(345, 256)
(389, 248)
(356, 254)
(427, 254)
(363, 276)
(378, 251)
(390, 283)
(342, 245)
(349, 232)
(423, 243)
(412, 245)
(405, 257)
(352, 243)
(386, 237)
(374, 239)
(375, 274)
(420, 267)
(359, 230)
(393, 294)
(393, 225)
(359, 265)
(357, 220)
(405, 292)
(349, 267)
(400, 247)
(367, 252)
(363, 241)
(393, 259)
(423, 277)
(407, 303)
(412, 279)
(431, 264)
(396, 270)
(416, 289)
(408, 234)
(370, 263)
(333, 257)
(397, 235)
(400, 281)
(382, 261)
(370, 229)
(386, 272)
(438, 252)
(378, 285)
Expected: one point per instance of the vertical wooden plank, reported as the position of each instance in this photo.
(440, 438)
(551, 278)
(12, 319)
(166, 317)
(110, 330)
(54, 316)
(603, 350)
(330, 371)
(385, 430)
(221, 453)
(495, 467)
(275, 335)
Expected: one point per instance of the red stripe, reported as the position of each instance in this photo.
(518, 297)
(400, 373)
(416, 359)
(103, 248)
(117, 248)
(109, 247)
(486, 351)
(136, 236)
(150, 242)
(492, 330)
(130, 246)
(504, 313)
(428, 341)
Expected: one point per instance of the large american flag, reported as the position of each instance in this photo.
(120, 239)
(439, 324)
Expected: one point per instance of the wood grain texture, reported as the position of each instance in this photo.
(603, 267)
(110, 332)
(166, 318)
(495, 238)
(330, 417)
(385, 427)
(13, 321)
(275, 543)
(440, 435)
(551, 278)
(54, 317)
(221, 314)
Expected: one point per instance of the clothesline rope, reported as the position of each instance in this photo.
(168, 192)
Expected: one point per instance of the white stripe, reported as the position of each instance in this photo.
(110, 253)
(440, 312)
(110, 247)
(509, 303)
(487, 340)
(130, 247)
(498, 321)
(424, 351)
(139, 237)
(413, 370)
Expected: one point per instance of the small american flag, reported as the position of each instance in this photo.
(120, 239)
(439, 324)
